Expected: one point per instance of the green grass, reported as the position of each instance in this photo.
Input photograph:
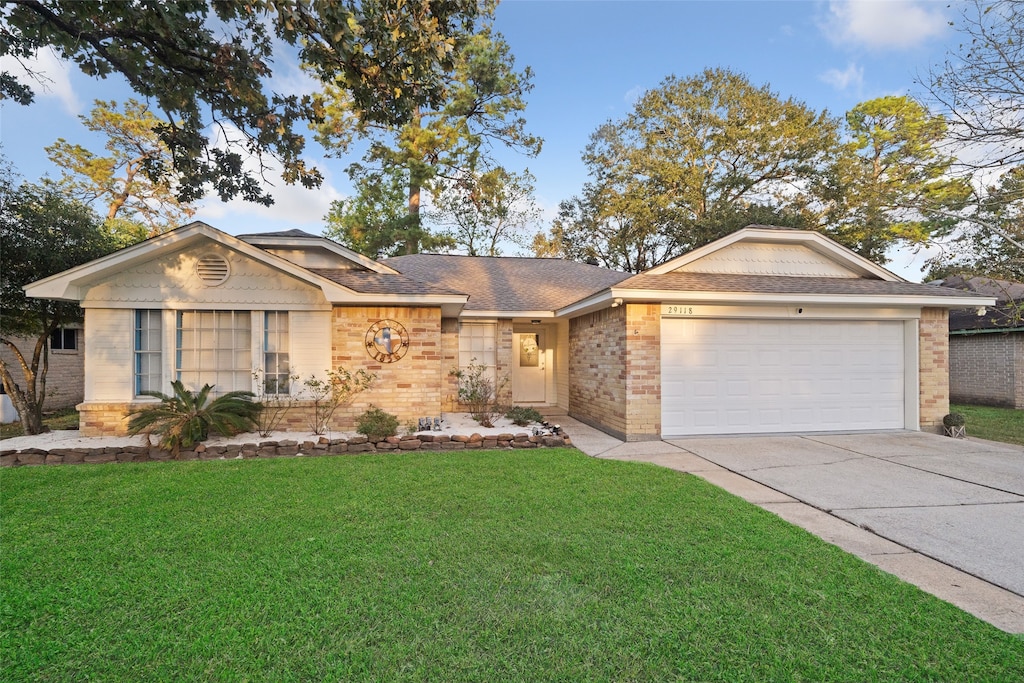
(484, 566)
(997, 424)
(66, 418)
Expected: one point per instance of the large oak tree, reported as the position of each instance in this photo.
(207, 68)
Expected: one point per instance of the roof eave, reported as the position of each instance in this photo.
(330, 245)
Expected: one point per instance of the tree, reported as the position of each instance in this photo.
(889, 183)
(980, 85)
(487, 209)
(42, 232)
(692, 151)
(119, 180)
(209, 65)
(479, 106)
(989, 243)
(376, 221)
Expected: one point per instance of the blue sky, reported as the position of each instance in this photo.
(590, 61)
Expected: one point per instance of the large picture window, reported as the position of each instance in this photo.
(148, 356)
(214, 347)
(276, 372)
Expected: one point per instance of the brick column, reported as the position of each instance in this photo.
(933, 372)
(643, 372)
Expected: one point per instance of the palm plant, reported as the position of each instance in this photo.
(186, 418)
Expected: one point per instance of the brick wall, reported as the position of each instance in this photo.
(597, 370)
(409, 388)
(643, 372)
(987, 369)
(65, 384)
(934, 367)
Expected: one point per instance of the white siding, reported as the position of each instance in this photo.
(109, 354)
(171, 282)
(758, 258)
(310, 338)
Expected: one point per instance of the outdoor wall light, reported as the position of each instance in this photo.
(616, 303)
(535, 322)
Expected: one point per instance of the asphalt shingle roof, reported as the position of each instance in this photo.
(510, 283)
(776, 284)
(366, 282)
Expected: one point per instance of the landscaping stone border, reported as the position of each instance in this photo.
(278, 449)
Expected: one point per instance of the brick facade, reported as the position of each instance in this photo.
(65, 384)
(987, 369)
(643, 372)
(933, 368)
(597, 370)
(410, 388)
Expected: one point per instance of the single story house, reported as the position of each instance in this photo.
(765, 330)
(986, 352)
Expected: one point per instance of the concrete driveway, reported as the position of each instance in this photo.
(944, 514)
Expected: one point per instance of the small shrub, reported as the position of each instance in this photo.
(479, 393)
(377, 424)
(274, 406)
(523, 416)
(338, 389)
(954, 420)
(186, 418)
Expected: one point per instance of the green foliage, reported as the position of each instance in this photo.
(336, 389)
(204, 63)
(480, 104)
(954, 420)
(42, 232)
(990, 241)
(377, 424)
(889, 184)
(480, 211)
(692, 151)
(376, 221)
(479, 391)
(119, 179)
(185, 418)
(448, 566)
(523, 416)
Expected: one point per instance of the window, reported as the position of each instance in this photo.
(214, 347)
(275, 353)
(476, 346)
(64, 339)
(148, 356)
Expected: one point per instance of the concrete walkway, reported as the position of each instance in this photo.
(946, 515)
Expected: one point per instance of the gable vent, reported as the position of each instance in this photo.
(212, 270)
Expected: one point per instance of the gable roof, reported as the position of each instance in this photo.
(510, 284)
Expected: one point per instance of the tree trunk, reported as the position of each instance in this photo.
(28, 401)
(412, 232)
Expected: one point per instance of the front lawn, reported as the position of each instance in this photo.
(997, 424)
(485, 566)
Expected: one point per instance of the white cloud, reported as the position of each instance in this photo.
(634, 94)
(852, 76)
(294, 206)
(49, 78)
(883, 24)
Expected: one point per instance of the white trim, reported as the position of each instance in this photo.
(812, 240)
(911, 375)
(549, 315)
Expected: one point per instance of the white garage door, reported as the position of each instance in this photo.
(752, 376)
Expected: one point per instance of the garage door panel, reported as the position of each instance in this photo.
(750, 376)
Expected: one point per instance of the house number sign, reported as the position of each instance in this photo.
(387, 341)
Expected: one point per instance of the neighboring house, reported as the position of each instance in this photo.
(64, 377)
(986, 352)
(766, 330)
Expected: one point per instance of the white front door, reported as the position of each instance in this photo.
(529, 367)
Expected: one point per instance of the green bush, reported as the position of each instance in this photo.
(523, 416)
(954, 420)
(377, 424)
(186, 418)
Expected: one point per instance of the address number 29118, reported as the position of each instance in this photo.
(675, 309)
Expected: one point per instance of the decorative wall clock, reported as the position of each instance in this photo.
(387, 341)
